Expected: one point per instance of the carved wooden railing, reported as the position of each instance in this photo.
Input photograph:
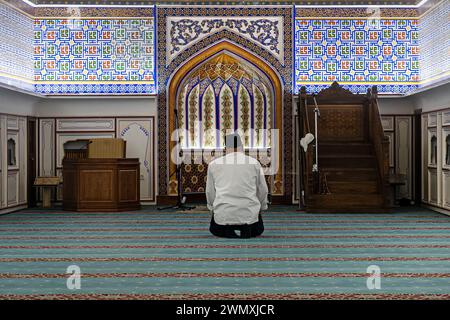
(308, 157)
(379, 141)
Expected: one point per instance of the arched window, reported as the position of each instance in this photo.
(433, 145)
(223, 95)
(11, 147)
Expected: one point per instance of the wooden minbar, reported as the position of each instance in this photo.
(108, 182)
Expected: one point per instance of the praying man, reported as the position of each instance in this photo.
(236, 192)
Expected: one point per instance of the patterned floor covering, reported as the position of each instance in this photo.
(151, 254)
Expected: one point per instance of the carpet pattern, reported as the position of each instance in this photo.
(151, 254)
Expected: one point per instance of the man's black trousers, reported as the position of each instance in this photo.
(229, 231)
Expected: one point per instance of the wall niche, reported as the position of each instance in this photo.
(433, 150)
(12, 153)
(447, 150)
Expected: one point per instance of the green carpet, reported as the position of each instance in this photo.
(151, 254)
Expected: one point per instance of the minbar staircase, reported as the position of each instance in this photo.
(352, 153)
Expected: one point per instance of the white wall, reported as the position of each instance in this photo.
(397, 105)
(436, 98)
(17, 103)
(433, 99)
(96, 106)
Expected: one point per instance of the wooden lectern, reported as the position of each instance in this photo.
(98, 177)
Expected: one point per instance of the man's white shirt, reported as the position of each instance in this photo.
(236, 190)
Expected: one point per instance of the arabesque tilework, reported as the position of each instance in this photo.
(104, 56)
(357, 54)
(353, 46)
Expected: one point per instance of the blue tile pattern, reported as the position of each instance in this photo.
(357, 54)
(98, 56)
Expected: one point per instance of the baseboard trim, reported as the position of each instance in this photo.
(13, 209)
(437, 209)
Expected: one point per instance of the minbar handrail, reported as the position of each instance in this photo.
(316, 135)
(380, 142)
(306, 159)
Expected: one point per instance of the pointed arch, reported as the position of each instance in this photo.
(193, 118)
(226, 112)
(276, 87)
(244, 114)
(209, 118)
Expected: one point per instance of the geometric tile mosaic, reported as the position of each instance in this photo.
(97, 53)
(362, 88)
(94, 88)
(102, 56)
(357, 54)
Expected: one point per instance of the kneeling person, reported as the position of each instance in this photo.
(236, 192)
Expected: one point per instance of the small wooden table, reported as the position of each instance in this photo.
(46, 184)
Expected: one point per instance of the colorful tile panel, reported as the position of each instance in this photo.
(101, 56)
(357, 53)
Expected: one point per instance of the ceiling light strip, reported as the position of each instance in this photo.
(421, 3)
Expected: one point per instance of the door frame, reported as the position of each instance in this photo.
(32, 160)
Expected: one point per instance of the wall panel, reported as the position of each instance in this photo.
(3, 165)
(46, 147)
(13, 161)
(140, 136)
(424, 158)
(80, 124)
(433, 188)
(436, 158)
(399, 130)
(391, 138)
(403, 149)
(446, 189)
(13, 188)
(23, 160)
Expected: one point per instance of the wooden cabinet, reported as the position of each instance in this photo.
(101, 184)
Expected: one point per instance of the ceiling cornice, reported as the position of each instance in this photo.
(299, 3)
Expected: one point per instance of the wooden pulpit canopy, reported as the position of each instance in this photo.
(99, 148)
